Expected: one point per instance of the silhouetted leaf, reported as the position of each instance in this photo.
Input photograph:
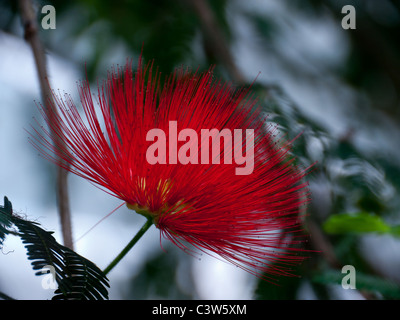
(77, 277)
(5, 223)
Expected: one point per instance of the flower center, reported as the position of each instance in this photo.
(140, 209)
(163, 188)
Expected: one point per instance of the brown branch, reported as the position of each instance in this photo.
(216, 38)
(31, 28)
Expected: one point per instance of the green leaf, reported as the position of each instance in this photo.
(360, 222)
(77, 277)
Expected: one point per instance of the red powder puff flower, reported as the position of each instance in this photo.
(194, 156)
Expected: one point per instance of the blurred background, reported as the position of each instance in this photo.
(339, 87)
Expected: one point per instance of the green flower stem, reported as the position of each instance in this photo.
(129, 246)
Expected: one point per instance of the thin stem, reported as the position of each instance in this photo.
(31, 30)
(129, 246)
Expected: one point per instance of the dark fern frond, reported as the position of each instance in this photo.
(89, 281)
(77, 277)
(5, 220)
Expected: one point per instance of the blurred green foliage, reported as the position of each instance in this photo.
(161, 277)
(348, 178)
(360, 222)
(376, 285)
